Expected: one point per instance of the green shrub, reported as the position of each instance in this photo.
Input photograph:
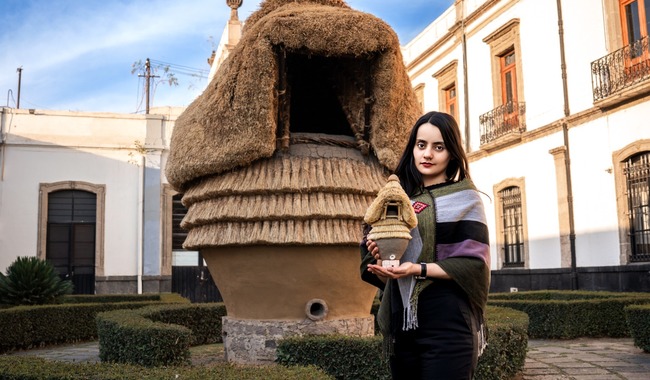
(32, 281)
(505, 355)
(24, 327)
(32, 368)
(638, 320)
(157, 335)
(349, 358)
(343, 357)
(572, 314)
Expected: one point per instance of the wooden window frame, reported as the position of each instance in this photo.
(500, 228)
(419, 95)
(502, 41)
(447, 78)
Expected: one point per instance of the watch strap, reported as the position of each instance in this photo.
(423, 272)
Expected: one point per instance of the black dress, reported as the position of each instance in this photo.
(441, 347)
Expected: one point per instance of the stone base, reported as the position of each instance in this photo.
(250, 341)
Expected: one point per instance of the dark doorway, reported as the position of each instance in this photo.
(71, 223)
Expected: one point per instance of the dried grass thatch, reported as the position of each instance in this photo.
(235, 121)
(290, 199)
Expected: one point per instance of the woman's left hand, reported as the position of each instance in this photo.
(405, 269)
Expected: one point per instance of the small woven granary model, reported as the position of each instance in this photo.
(392, 218)
(278, 161)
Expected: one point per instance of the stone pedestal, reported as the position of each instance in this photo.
(250, 341)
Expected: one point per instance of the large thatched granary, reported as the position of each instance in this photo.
(278, 160)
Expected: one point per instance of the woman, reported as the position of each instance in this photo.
(431, 312)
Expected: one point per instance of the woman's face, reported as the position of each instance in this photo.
(430, 155)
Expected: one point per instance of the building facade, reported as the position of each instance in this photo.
(552, 97)
(86, 192)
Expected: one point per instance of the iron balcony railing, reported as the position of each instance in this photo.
(621, 69)
(502, 120)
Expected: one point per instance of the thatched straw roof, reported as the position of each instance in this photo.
(235, 121)
(290, 199)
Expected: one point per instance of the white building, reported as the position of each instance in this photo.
(553, 99)
(86, 191)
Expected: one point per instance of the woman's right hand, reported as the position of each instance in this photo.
(374, 250)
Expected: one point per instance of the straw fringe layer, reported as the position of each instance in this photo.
(290, 175)
(296, 206)
(278, 232)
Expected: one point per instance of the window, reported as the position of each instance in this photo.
(513, 243)
(181, 256)
(509, 90)
(635, 26)
(178, 213)
(447, 90)
(505, 123)
(626, 69)
(637, 176)
(450, 101)
(419, 95)
(511, 230)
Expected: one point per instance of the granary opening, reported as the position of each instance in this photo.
(324, 95)
(314, 105)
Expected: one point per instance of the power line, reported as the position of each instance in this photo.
(181, 69)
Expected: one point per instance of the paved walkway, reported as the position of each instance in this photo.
(592, 359)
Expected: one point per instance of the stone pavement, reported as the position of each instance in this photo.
(584, 358)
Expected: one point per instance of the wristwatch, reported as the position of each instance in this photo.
(423, 272)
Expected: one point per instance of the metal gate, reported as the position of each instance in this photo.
(195, 283)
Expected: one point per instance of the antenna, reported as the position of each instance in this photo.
(20, 74)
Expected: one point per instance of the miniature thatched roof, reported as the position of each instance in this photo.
(235, 121)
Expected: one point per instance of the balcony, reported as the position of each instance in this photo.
(502, 125)
(622, 74)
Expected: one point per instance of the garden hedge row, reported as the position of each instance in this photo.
(638, 319)
(23, 327)
(32, 368)
(350, 358)
(572, 314)
(158, 335)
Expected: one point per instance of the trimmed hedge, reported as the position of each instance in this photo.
(505, 355)
(343, 357)
(350, 358)
(572, 314)
(32, 368)
(24, 327)
(158, 335)
(102, 298)
(638, 320)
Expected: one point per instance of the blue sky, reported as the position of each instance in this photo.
(77, 55)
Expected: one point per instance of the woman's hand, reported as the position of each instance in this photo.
(405, 269)
(373, 249)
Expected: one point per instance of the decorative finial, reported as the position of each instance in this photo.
(234, 5)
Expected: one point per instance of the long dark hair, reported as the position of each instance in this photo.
(458, 168)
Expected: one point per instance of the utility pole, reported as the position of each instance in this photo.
(20, 74)
(147, 76)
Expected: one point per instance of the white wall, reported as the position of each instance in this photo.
(52, 146)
